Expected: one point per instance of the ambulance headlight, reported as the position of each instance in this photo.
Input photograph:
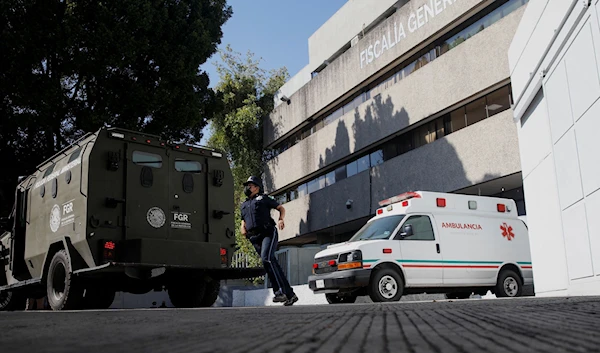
(355, 255)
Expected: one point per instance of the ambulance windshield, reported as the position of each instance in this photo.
(381, 228)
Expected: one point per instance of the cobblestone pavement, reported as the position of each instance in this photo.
(504, 325)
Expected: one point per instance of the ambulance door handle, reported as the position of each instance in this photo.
(437, 246)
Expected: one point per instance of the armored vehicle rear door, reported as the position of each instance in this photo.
(187, 216)
(147, 192)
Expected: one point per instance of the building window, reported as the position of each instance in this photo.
(362, 164)
(476, 111)
(376, 158)
(330, 178)
(351, 169)
(498, 101)
(340, 173)
(458, 119)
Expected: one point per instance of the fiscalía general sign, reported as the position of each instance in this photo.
(414, 21)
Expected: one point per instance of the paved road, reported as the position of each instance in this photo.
(513, 325)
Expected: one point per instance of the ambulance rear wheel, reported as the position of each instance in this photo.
(333, 298)
(509, 284)
(386, 285)
(63, 291)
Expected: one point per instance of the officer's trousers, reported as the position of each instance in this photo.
(265, 244)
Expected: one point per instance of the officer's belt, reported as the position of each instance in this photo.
(260, 229)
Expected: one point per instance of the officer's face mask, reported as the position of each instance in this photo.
(247, 191)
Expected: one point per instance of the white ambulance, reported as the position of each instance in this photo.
(427, 242)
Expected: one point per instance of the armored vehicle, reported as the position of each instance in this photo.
(119, 210)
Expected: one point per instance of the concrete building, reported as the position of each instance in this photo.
(397, 96)
(554, 63)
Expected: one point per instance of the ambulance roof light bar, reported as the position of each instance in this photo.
(399, 198)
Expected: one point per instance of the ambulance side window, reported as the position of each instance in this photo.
(422, 229)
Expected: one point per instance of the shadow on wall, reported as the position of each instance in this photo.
(435, 166)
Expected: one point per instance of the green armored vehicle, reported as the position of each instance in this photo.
(121, 211)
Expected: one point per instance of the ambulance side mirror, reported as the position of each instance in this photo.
(407, 231)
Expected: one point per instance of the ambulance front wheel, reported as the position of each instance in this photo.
(386, 285)
(509, 284)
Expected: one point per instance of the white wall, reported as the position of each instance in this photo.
(557, 109)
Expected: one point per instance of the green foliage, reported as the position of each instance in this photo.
(246, 93)
(72, 66)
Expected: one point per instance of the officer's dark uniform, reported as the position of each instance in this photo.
(262, 233)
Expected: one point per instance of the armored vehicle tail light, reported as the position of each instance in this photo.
(109, 250)
(148, 141)
(223, 256)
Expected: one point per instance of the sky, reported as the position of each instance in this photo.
(276, 30)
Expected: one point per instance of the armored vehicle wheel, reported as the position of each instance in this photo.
(98, 298)
(63, 291)
(333, 298)
(187, 296)
(509, 284)
(386, 285)
(458, 295)
(211, 293)
(11, 301)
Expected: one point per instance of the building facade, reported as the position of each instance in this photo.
(397, 96)
(555, 70)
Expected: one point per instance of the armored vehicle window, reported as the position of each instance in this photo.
(75, 155)
(54, 188)
(147, 159)
(49, 170)
(185, 165)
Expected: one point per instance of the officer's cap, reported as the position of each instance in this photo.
(254, 180)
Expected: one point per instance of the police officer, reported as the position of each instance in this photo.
(260, 229)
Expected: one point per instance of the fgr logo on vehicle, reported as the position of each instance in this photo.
(181, 220)
(61, 216)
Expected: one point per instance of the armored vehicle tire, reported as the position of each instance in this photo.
(98, 298)
(458, 295)
(11, 301)
(63, 291)
(187, 296)
(386, 285)
(509, 284)
(211, 293)
(333, 298)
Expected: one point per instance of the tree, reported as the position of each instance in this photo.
(73, 66)
(247, 93)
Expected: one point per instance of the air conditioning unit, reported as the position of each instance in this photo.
(296, 263)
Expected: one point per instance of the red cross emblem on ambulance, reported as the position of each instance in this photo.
(507, 231)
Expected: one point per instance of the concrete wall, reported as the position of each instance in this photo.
(464, 158)
(558, 124)
(293, 85)
(345, 73)
(467, 69)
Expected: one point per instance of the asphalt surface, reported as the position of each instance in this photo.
(503, 325)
